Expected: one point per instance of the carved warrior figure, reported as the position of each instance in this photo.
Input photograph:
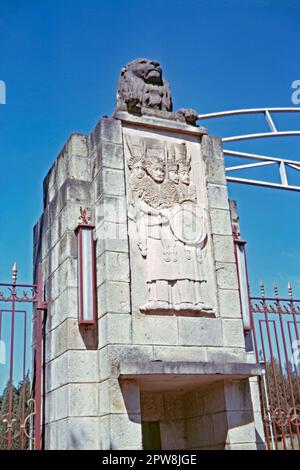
(143, 90)
(187, 190)
(170, 228)
(136, 162)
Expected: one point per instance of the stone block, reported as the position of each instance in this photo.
(200, 432)
(226, 354)
(233, 333)
(77, 145)
(220, 222)
(241, 427)
(65, 276)
(200, 332)
(83, 399)
(223, 248)
(57, 404)
(48, 184)
(229, 303)
(79, 168)
(220, 428)
(64, 306)
(180, 353)
(113, 297)
(81, 337)
(112, 266)
(111, 237)
(71, 190)
(104, 364)
(173, 435)
(111, 155)
(259, 431)
(174, 406)
(152, 406)
(56, 435)
(255, 395)
(56, 372)
(97, 185)
(193, 404)
(154, 330)
(214, 170)
(61, 173)
(214, 398)
(113, 182)
(217, 196)
(83, 433)
(120, 397)
(111, 356)
(245, 446)
(226, 275)
(56, 342)
(126, 433)
(96, 165)
(114, 328)
(104, 399)
(64, 248)
(53, 232)
(83, 366)
(238, 396)
(76, 191)
(111, 130)
(211, 147)
(67, 273)
(102, 329)
(104, 423)
(111, 209)
(251, 357)
(40, 226)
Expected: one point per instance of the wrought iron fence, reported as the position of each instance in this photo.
(21, 307)
(275, 327)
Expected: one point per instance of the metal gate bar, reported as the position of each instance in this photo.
(273, 323)
(275, 328)
(20, 406)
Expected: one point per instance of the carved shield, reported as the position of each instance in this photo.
(187, 224)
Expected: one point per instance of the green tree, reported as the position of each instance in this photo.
(283, 394)
(20, 409)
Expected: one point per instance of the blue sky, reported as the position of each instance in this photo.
(61, 61)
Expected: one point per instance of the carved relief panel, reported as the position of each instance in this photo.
(167, 227)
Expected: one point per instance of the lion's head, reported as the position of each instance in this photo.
(141, 84)
(148, 70)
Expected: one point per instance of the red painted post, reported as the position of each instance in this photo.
(40, 307)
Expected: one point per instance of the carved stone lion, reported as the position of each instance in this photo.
(142, 90)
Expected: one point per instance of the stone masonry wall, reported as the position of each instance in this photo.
(86, 405)
(70, 362)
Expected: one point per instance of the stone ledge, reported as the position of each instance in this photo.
(160, 124)
(167, 375)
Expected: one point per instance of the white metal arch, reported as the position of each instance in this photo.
(261, 160)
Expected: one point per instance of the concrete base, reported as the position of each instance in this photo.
(161, 375)
(194, 405)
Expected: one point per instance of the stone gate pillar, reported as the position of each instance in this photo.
(166, 365)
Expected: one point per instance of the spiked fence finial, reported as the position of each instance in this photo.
(275, 290)
(290, 290)
(14, 273)
(262, 288)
